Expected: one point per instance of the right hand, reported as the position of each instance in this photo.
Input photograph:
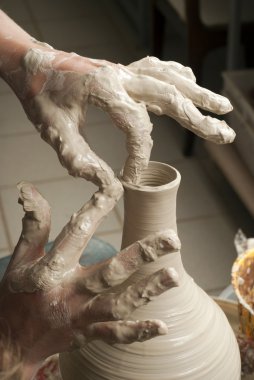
(60, 86)
(51, 303)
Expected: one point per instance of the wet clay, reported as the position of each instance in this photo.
(84, 301)
(126, 93)
(193, 348)
(49, 271)
(102, 88)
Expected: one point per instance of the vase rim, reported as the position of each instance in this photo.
(169, 184)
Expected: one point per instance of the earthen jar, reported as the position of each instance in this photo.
(200, 344)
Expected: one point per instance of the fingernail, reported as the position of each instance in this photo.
(227, 134)
(162, 328)
(225, 105)
(189, 73)
(170, 240)
(173, 275)
(153, 328)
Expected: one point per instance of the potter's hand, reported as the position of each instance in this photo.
(70, 82)
(170, 88)
(51, 303)
(55, 88)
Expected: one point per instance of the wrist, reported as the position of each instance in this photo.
(18, 353)
(12, 69)
(13, 362)
(10, 357)
(14, 42)
(14, 45)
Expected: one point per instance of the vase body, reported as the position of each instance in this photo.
(200, 343)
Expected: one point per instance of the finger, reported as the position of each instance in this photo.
(107, 92)
(116, 270)
(162, 98)
(112, 306)
(63, 257)
(163, 66)
(73, 151)
(144, 291)
(126, 331)
(182, 77)
(201, 97)
(72, 240)
(36, 224)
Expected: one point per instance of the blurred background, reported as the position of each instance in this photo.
(216, 196)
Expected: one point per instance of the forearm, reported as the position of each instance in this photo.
(12, 366)
(19, 358)
(10, 358)
(14, 43)
(15, 362)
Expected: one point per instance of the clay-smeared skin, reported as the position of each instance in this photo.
(60, 86)
(64, 301)
(53, 304)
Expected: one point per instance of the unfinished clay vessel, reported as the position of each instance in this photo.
(200, 343)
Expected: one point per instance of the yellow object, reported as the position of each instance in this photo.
(243, 283)
(243, 279)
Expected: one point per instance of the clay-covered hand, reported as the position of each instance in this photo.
(51, 303)
(60, 86)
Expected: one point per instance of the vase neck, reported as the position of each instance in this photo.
(150, 209)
